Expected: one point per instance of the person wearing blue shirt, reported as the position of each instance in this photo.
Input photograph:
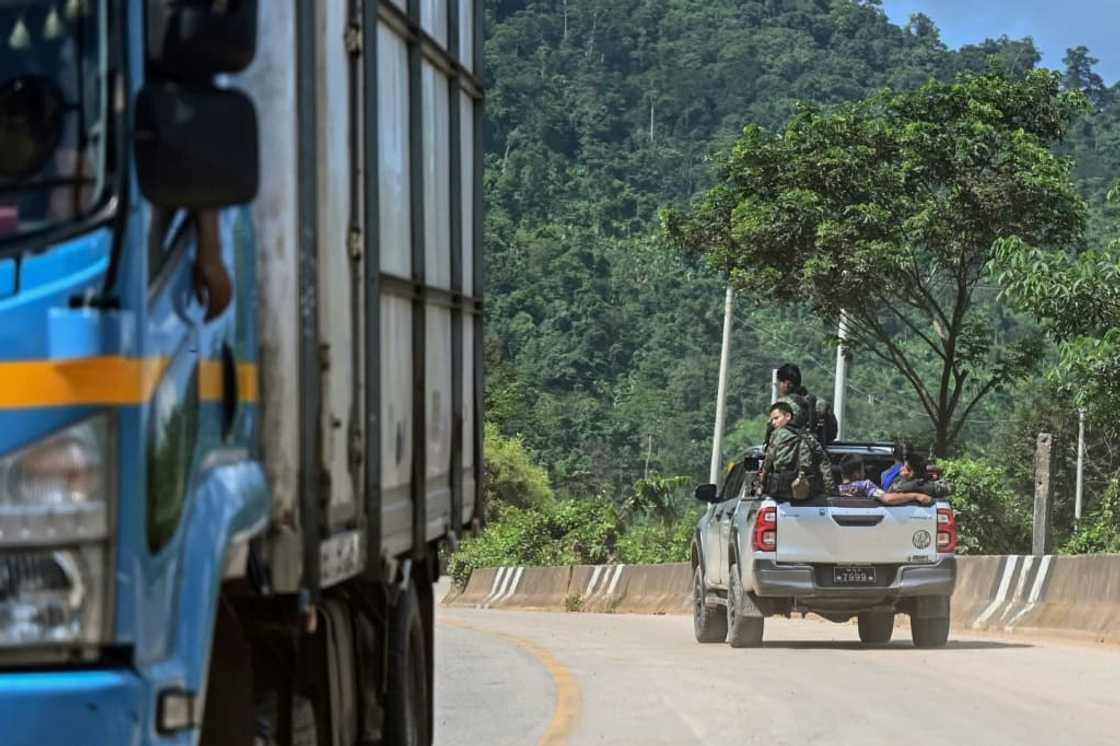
(901, 450)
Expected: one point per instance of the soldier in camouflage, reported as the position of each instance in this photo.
(793, 393)
(811, 414)
(792, 453)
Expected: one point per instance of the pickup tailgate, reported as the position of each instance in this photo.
(856, 532)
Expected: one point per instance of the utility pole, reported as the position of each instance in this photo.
(1042, 496)
(649, 452)
(840, 388)
(1080, 466)
(721, 393)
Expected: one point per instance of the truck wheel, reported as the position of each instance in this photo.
(876, 627)
(932, 632)
(743, 630)
(406, 710)
(708, 622)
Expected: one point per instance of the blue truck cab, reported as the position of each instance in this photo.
(240, 364)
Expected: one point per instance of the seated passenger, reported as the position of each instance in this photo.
(912, 479)
(856, 485)
(901, 449)
(794, 458)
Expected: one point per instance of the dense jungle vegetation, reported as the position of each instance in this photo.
(602, 342)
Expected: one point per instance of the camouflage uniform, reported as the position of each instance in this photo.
(801, 409)
(938, 489)
(791, 453)
(810, 414)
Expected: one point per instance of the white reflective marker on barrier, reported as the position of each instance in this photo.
(1001, 592)
(594, 580)
(498, 578)
(510, 573)
(1019, 596)
(512, 587)
(1036, 591)
(615, 579)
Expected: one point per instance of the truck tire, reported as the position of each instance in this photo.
(744, 630)
(876, 627)
(407, 703)
(709, 623)
(930, 632)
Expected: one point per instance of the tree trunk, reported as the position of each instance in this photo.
(941, 438)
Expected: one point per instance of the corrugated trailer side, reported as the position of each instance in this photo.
(369, 223)
(369, 233)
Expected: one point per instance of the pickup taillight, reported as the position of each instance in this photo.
(766, 530)
(946, 530)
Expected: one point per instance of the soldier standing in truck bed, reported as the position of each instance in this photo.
(811, 414)
(793, 455)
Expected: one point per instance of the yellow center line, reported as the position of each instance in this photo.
(567, 690)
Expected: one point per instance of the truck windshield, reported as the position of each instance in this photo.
(53, 103)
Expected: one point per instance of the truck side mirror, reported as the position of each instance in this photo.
(706, 493)
(195, 39)
(196, 147)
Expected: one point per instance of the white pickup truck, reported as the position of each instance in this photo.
(753, 557)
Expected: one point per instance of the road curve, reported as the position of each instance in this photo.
(644, 680)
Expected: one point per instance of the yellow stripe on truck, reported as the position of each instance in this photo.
(211, 382)
(107, 381)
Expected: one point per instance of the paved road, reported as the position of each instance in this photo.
(629, 679)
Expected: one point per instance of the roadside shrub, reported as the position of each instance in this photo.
(510, 475)
(654, 543)
(1100, 530)
(991, 518)
(568, 532)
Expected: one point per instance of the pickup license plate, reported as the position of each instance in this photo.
(853, 575)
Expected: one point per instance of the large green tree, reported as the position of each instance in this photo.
(886, 210)
(1077, 298)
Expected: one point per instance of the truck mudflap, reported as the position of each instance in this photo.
(92, 708)
(779, 580)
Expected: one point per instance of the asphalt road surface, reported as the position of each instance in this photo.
(515, 677)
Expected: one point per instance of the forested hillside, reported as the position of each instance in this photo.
(602, 346)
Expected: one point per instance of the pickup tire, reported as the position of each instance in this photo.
(744, 630)
(876, 627)
(931, 632)
(708, 622)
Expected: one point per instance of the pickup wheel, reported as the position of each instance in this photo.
(932, 632)
(876, 627)
(708, 622)
(743, 631)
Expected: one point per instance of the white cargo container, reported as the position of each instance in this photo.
(368, 220)
(368, 225)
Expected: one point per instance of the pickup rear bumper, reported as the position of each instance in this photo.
(773, 580)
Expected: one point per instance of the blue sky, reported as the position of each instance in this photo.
(1054, 25)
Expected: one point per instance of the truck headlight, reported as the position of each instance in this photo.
(54, 537)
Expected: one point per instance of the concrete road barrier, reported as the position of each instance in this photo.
(604, 588)
(479, 586)
(978, 584)
(656, 589)
(1079, 595)
(543, 588)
